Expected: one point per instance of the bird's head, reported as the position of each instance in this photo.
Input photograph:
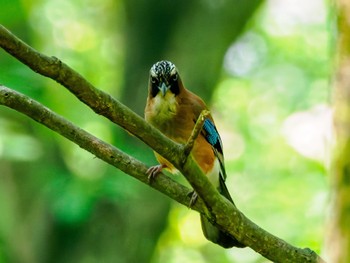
(164, 78)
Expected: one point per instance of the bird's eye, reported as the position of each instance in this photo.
(174, 78)
(153, 80)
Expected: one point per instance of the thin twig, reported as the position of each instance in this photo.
(195, 132)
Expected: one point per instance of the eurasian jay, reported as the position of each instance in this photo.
(174, 110)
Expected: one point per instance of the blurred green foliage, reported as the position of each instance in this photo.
(264, 72)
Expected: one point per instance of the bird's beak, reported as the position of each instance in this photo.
(163, 88)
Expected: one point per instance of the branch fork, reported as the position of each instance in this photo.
(227, 216)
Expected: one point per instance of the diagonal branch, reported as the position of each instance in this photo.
(223, 213)
(99, 101)
(94, 145)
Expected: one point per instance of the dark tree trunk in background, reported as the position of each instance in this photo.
(193, 34)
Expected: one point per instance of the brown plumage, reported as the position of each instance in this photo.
(174, 110)
(178, 124)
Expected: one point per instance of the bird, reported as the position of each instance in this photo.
(174, 110)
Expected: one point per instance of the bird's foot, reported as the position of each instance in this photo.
(194, 197)
(153, 171)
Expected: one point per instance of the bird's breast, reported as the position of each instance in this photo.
(162, 113)
(163, 108)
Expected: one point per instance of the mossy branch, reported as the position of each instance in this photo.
(94, 145)
(223, 213)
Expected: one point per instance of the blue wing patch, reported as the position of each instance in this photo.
(212, 135)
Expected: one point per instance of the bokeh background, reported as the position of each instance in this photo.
(263, 67)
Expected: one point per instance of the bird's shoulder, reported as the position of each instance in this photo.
(189, 100)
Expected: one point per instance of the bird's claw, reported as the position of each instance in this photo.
(153, 171)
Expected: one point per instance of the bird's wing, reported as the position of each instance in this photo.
(212, 136)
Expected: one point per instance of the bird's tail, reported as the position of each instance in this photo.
(213, 233)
